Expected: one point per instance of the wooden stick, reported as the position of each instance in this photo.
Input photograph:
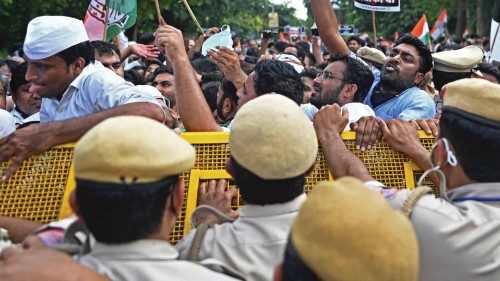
(161, 21)
(105, 22)
(192, 15)
(374, 28)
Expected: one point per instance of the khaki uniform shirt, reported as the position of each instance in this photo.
(460, 238)
(145, 260)
(254, 243)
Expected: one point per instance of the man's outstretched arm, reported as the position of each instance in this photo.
(37, 138)
(191, 104)
(328, 27)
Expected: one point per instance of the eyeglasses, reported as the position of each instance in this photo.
(329, 75)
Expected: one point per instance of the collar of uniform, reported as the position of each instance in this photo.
(486, 191)
(141, 249)
(273, 209)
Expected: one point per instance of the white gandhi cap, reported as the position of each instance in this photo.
(49, 35)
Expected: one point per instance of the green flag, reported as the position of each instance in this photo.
(121, 14)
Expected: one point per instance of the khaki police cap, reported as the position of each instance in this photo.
(371, 54)
(473, 96)
(347, 232)
(458, 61)
(131, 149)
(272, 138)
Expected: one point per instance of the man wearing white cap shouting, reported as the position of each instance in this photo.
(77, 91)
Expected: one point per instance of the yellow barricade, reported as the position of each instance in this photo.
(41, 187)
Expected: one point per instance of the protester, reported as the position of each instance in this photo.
(109, 55)
(467, 211)
(268, 76)
(27, 104)
(77, 92)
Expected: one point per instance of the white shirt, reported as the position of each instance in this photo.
(95, 89)
(19, 119)
(148, 260)
(7, 124)
(254, 243)
(356, 111)
(459, 239)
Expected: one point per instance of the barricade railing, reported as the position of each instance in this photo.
(41, 187)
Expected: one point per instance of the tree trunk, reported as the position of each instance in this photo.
(461, 21)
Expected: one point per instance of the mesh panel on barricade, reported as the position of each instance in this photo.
(40, 188)
(36, 190)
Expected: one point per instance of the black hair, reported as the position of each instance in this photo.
(18, 78)
(360, 41)
(280, 46)
(294, 269)
(162, 69)
(210, 90)
(252, 52)
(81, 50)
(216, 76)
(356, 73)
(309, 73)
(476, 141)
(105, 48)
(204, 65)
(278, 77)
(488, 68)
(442, 78)
(229, 90)
(258, 191)
(423, 51)
(300, 52)
(9, 63)
(121, 213)
(146, 38)
(133, 76)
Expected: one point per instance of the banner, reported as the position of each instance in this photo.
(440, 25)
(495, 41)
(378, 5)
(120, 14)
(421, 30)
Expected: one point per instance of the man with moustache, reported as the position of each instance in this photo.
(398, 96)
(346, 82)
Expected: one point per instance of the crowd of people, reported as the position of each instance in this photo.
(125, 106)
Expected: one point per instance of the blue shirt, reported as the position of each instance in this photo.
(412, 104)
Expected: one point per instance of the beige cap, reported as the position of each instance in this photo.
(371, 54)
(49, 35)
(131, 149)
(473, 96)
(347, 232)
(272, 138)
(458, 61)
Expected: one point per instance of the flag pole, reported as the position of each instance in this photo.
(105, 22)
(161, 21)
(374, 28)
(192, 16)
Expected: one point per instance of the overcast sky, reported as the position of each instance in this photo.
(301, 11)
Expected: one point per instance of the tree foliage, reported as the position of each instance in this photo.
(246, 17)
(477, 20)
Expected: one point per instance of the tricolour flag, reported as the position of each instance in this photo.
(440, 25)
(109, 17)
(421, 30)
